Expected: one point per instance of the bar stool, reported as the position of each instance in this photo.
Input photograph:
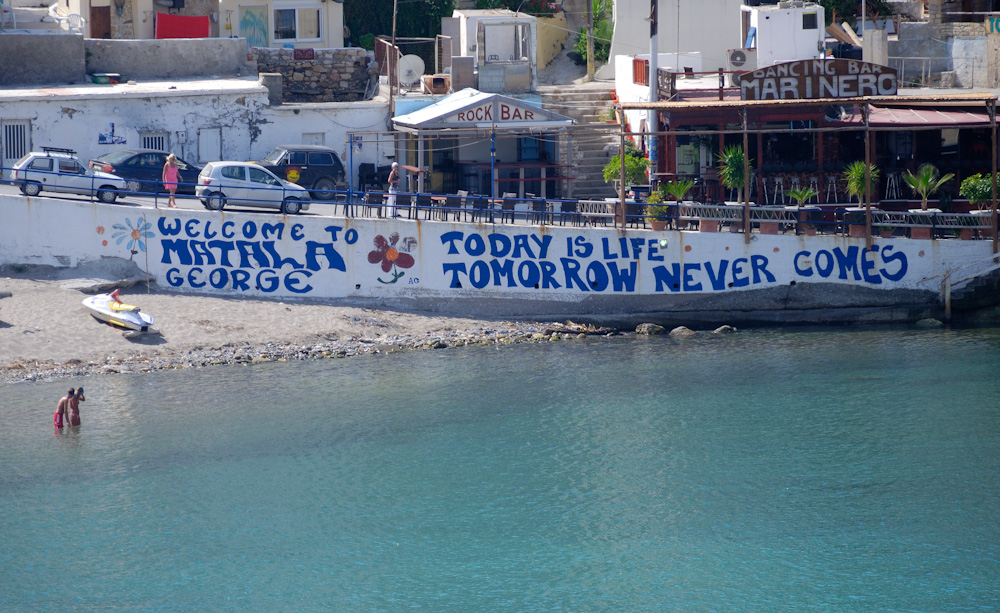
(831, 188)
(892, 186)
(763, 191)
(779, 189)
(814, 185)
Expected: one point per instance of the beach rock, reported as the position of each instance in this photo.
(724, 330)
(649, 329)
(929, 322)
(682, 332)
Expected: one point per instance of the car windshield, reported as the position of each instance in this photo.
(275, 156)
(116, 157)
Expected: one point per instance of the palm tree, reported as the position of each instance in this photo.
(854, 176)
(801, 194)
(926, 182)
(732, 169)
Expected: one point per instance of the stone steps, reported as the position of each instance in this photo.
(594, 141)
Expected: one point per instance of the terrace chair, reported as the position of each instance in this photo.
(424, 203)
(373, 203)
(481, 208)
(507, 207)
(75, 24)
(7, 16)
(568, 209)
(454, 205)
(539, 211)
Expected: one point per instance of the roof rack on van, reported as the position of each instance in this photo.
(58, 150)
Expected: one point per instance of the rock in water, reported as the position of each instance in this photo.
(682, 331)
(724, 330)
(930, 322)
(649, 329)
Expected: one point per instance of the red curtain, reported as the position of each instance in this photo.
(181, 26)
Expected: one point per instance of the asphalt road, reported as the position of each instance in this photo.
(183, 202)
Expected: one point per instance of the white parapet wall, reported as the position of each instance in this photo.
(474, 268)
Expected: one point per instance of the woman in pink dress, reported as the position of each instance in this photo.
(171, 176)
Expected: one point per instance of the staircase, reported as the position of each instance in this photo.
(983, 291)
(593, 141)
(30, 17)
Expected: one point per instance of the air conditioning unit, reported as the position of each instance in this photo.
(740, 60)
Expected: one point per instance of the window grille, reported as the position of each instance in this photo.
(16, 141)
(154, 140)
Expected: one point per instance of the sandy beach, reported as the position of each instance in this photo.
(46, 333)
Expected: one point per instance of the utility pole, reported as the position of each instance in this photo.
(652, 118)
(590, 39)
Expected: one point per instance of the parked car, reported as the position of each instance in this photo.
(58, 170)
(248, 184)
(315, 167)
(143, 169)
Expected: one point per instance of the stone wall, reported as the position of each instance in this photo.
(26, 62)
(333, 75)
(169, 58)
(949, 54)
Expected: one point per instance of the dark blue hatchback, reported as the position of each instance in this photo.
(143, 170)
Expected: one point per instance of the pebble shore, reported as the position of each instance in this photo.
(504, 333)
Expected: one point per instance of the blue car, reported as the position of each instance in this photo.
(142, 169)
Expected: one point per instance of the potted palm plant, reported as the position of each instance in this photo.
(732, 174)
(801, 195)
(657, 213)
(925, 182)
(978, 190)
(856, 176)
(732, 169)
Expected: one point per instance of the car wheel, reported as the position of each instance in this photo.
(134, 186)
(31, 189)
(291, 206)
(107, 195)
(215, 201)
(324, 189)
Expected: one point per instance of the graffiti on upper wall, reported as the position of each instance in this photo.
(108, 136)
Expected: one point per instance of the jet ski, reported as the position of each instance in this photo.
(110, 309)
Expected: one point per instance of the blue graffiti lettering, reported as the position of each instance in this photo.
(267, 230)
(501, 270)
(624, 279)
(597, 276)
(571, 274)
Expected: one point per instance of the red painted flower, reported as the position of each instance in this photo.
(389, 256)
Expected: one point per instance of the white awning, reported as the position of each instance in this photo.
(471, 108)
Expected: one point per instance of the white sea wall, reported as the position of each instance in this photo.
(471, 268)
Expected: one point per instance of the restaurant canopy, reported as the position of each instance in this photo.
(470, 108)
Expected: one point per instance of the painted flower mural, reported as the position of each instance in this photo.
(134, 234)
(391, 257)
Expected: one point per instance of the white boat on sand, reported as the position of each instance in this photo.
(110, 309)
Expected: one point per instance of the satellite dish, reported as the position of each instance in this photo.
(411, 68)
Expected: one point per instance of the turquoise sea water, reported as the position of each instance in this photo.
(769, 470)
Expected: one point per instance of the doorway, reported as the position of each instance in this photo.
(100, 22)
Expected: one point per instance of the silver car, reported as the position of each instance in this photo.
(248, 184)
(58, 170)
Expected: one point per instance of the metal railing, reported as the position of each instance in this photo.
(828, 219)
